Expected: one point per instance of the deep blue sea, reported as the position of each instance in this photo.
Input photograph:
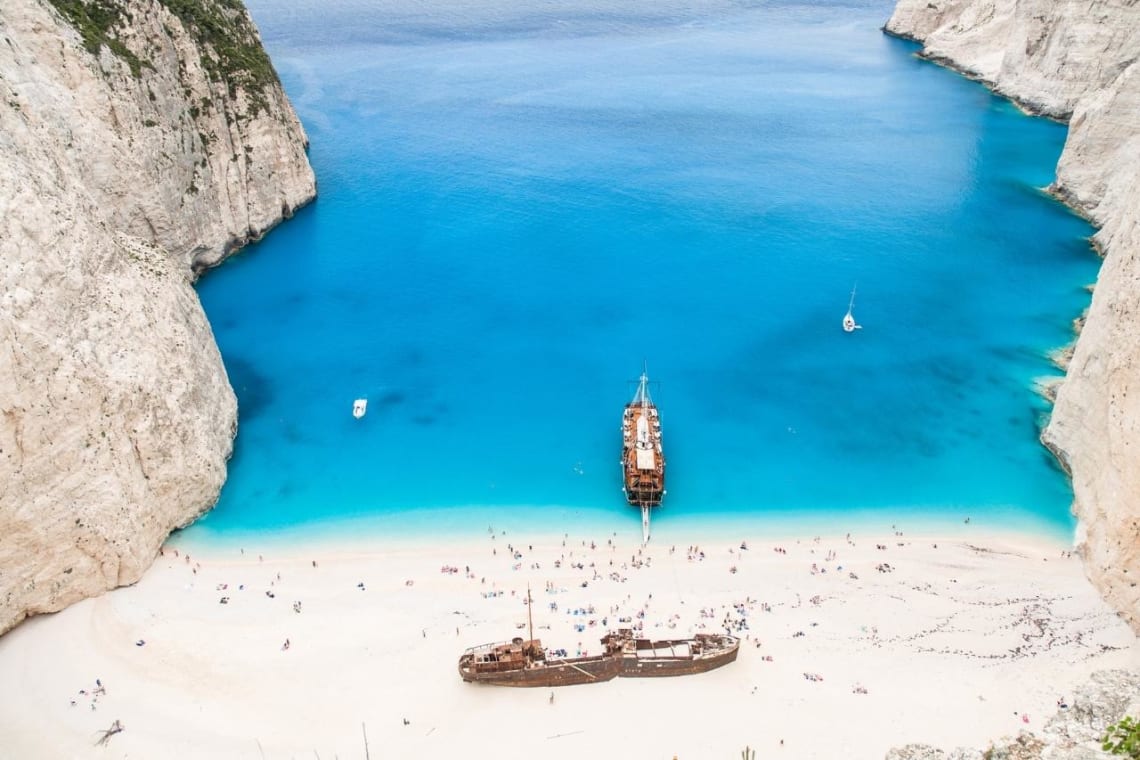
(522, 203)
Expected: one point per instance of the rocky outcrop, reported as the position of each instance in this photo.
(1080, 62)
(1073, 733)
(139, 145)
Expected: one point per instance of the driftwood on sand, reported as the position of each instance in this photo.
(107, 733)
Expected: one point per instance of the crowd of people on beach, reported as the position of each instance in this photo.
(637, 614)
(574, 578)
(797, 605)
(91, 694)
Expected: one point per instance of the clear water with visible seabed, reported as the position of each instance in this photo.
(521, 203)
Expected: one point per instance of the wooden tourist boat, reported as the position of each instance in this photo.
(648, 658)
(642, 459)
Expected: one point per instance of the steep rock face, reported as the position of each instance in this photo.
(123, 169)
(1078, 61)
(1042, 54)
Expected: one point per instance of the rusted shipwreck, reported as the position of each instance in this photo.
(527, 663)
(650, 658)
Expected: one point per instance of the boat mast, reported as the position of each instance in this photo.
(529, 616)
(851, 303)
(642, 395)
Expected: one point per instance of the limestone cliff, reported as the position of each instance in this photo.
(140, 140)
(1077, 61)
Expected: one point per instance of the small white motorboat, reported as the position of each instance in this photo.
(359, 407)
(848, 318)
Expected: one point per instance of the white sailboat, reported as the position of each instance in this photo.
(359, 407)
(848, 318)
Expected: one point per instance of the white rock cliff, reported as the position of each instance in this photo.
(122, 172)
(1077, 61)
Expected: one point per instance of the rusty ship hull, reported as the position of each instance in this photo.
(646, 658)
(488, 665)
(525, 664)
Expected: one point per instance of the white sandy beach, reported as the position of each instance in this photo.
(963, 640)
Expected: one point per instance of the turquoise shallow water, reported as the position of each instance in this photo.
(521, 205)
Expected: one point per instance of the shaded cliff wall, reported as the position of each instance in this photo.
(1078, 62)
(138, 144)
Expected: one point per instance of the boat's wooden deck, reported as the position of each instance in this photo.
(644, 486)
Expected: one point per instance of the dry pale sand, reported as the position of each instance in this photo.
(961, 641)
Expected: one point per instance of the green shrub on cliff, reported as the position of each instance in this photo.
(1123, 738)
(224, 28)
(96, 22)
(229, 46)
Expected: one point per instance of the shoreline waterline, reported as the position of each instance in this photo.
(399, 531)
